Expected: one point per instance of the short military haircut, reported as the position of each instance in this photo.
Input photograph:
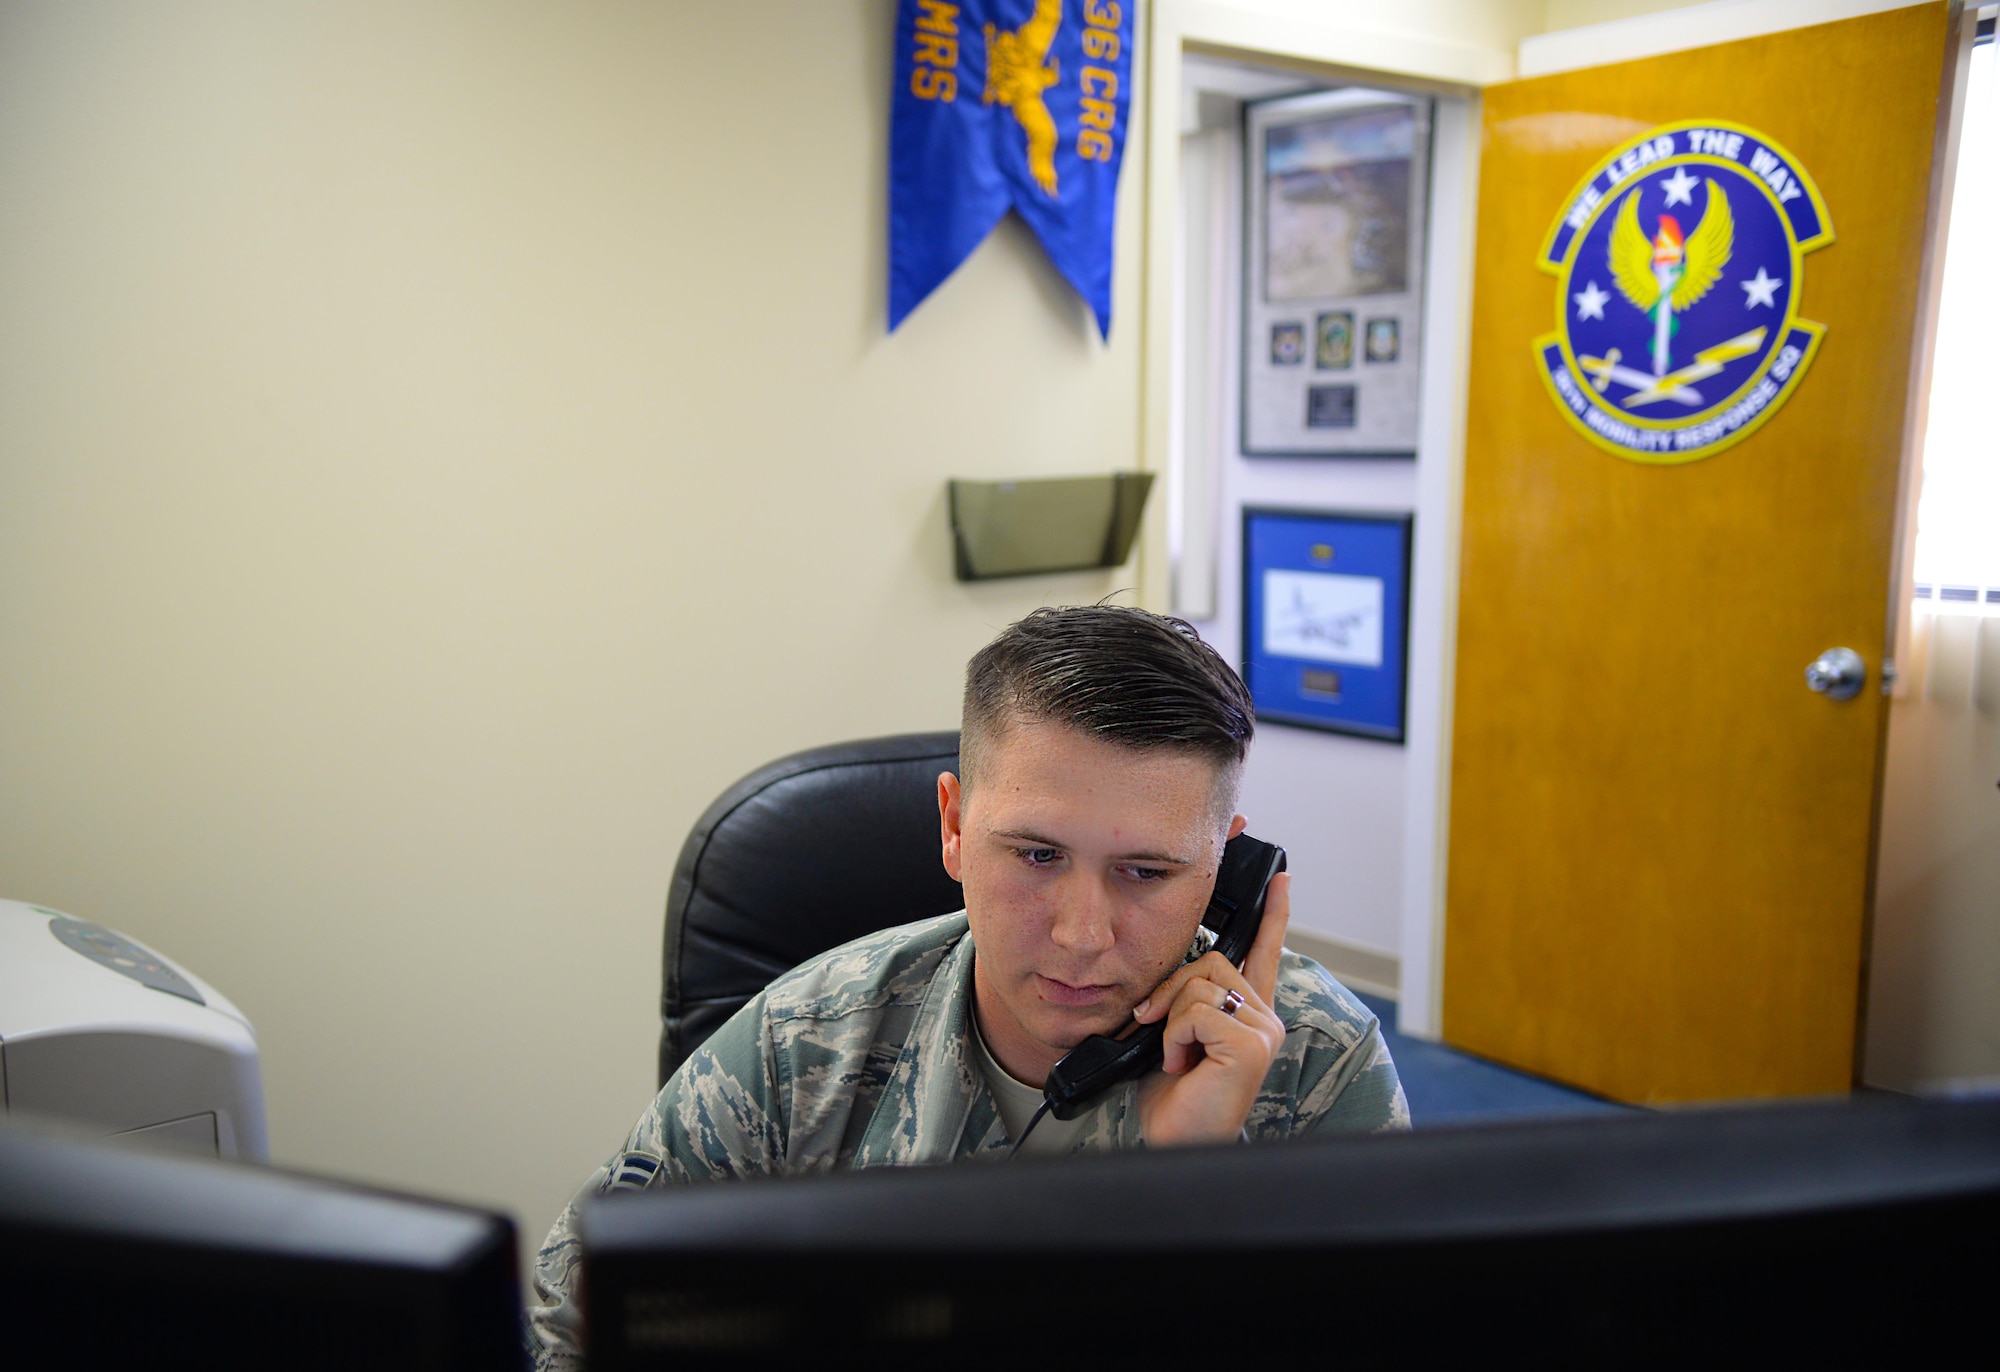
(1112, 672)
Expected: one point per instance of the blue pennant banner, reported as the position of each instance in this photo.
(1007, 104)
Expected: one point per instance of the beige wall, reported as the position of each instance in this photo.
(1570, 14)
(443, 445)
(1933, 1015)
(440, 448)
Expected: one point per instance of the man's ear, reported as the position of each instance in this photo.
(950, 798)
(1237, 826)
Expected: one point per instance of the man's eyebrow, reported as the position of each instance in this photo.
(1025, 836)
(1039, 841)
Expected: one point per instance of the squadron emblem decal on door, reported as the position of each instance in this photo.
(1679, 262)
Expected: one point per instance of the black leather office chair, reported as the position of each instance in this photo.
(800, 856)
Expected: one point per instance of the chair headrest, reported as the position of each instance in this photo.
(802, 855)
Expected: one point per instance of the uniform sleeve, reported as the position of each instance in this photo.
(1359, 1093)
(1334, 1074)
(718, 1117)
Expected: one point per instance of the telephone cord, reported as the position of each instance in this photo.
(1036, 1119)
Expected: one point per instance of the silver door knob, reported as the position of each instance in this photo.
(1838, 674)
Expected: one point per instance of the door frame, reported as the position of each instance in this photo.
(1344, 51)
(1930, 296)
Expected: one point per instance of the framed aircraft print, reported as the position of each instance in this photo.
(1326, 619)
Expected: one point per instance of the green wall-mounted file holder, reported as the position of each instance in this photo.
(1054, 524)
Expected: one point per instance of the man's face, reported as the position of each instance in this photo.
(1086, 869)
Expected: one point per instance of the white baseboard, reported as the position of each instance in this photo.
(1359, 969)
(1956, 1088)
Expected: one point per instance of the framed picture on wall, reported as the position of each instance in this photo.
(1335, 199)
(1326, 619)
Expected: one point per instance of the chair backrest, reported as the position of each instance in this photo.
(800, 856)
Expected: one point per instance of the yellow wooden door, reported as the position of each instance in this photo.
(1660, 838)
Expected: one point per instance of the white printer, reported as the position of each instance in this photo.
(104, 1033)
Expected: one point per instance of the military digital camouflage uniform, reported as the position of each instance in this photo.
(861, 1058)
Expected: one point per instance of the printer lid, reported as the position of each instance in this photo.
(62, 974)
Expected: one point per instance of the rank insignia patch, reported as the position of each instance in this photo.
(1679, 262)
(631, 1172)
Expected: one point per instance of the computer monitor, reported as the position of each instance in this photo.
(1714, 1236)
(113, 1257)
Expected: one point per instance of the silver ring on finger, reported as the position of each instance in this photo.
(1232, 1001)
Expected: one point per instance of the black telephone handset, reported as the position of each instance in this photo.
(1235, 911)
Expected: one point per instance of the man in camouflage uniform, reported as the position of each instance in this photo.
(1100, 755)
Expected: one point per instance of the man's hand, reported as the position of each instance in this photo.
(1215, 1061)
